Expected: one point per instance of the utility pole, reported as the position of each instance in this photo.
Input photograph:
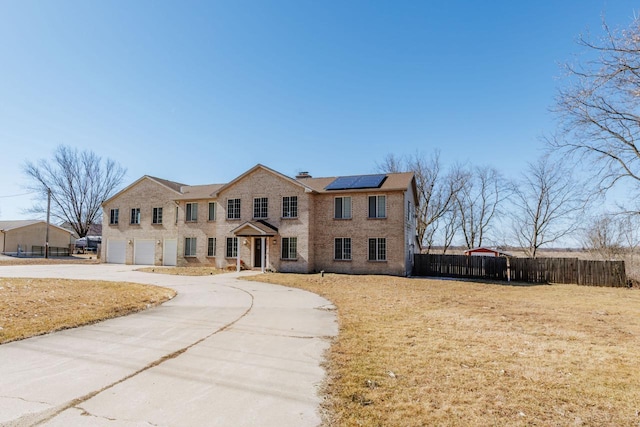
(46, 245)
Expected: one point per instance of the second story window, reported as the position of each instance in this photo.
(157, 216)
(212, 211)
(342, 208)
(191, 214)
(135, 216)
(377, 207)
(114, 216)
(260, 207)
(290, 207)
(233, 209)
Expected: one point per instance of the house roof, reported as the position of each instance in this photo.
(194, 192)
(176, 186)
(394, 182)
(485, 250)
(259, 166)
(172, 185)
(13, 225)
(253, 228)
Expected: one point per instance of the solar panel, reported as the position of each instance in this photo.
(356, 182)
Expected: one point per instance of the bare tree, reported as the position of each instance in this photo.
(451, 223)
(546, 205)
(612, 235)
(436, 191)
(79, 182)
(478, 203)
(599, 107)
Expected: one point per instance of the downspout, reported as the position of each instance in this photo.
(238, 254)
(264, 252)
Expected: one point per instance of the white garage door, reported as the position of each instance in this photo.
(144, 252)
(170, 252)
(116, 251)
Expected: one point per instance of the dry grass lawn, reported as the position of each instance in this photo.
(184, 271)
(30, 307)
(417, 352)
(76, 259)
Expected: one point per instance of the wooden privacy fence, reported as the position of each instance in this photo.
(530, 270)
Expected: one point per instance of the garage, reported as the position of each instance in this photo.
(170, 252)
(116, 251)
(144, 252)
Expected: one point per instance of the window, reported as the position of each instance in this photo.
(114, 216)
(233, 209)
(377, 206)
(260, 207)
(211, 246)
(378, 249)
(177, 212)
(409, 211)
(290, 207)
(289, 247)
(135, 216)
(190, 246)
(232, 247)
(342, 248)
(157, 216)
(192, 212)
(212, 211)
(342, 208)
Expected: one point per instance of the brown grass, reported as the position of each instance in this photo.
(416, 352)
(30, 307)
(184, 271)
(76, 259)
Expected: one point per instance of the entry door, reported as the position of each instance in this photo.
(257, 252)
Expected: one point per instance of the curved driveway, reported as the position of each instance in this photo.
(224, 352)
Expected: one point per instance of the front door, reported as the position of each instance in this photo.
(257, 252)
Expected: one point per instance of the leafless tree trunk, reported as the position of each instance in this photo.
(479, 202)
(436, 192)
(451, 223)
(79, 183)
(599, 108)
(546, 205)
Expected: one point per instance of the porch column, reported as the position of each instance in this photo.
(238, 253)
(264, 252)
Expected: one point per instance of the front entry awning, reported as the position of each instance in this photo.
(255, 228)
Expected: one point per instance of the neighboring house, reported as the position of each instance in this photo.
(30, 236)
(485, 252)
(266, 220)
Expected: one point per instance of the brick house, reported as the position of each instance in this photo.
(266, 220)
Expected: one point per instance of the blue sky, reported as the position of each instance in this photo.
(199, 92)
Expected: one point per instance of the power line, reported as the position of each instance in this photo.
(18, 195)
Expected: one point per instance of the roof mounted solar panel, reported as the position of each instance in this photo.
(356, 182)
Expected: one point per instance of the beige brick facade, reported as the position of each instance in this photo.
(274, 210)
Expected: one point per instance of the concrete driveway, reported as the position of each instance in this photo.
(224, 352)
